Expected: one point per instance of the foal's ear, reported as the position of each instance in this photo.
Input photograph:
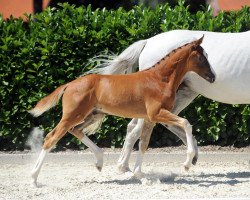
(198, 42)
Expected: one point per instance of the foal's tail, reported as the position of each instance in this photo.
(121, 64)
(48, 102)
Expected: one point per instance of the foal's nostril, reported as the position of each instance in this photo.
(212, 78)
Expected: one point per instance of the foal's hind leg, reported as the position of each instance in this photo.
(93, 147)
(79, 133)
(72, 115)
(36, 169)
(51, 139)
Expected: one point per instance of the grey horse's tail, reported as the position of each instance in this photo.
(121, 64)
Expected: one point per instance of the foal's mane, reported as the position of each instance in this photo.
(172, 52)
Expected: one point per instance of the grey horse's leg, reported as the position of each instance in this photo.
(133, 133)
(184, 97)
(143, 145)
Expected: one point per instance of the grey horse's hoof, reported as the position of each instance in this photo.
(194, 161)
(123, 169)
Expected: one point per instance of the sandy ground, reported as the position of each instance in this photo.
(219, 173)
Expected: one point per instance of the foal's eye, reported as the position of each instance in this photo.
(201, 58)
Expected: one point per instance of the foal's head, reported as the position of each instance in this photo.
(198, 63)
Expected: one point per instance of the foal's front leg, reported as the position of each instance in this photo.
(183, 98)
(164, 116)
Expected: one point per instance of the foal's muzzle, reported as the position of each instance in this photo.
(210, 78)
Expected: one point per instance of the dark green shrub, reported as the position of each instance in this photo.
(56, 46)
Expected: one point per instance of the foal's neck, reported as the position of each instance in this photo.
(172, 68)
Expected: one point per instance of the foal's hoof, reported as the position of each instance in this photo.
(99, 165)
(34, 183)
(99, 168)
(99, 162)
(34, 179)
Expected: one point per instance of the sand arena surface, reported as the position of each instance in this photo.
(71, 175)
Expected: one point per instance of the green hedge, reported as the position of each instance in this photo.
(55, 45)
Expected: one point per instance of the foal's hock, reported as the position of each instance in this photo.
(148, 94)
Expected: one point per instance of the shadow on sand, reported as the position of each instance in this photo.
(202, 180)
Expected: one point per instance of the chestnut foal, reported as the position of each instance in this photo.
(148, 94)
